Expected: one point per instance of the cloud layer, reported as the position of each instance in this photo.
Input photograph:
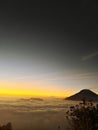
(90, 56)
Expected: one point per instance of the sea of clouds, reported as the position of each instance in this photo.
(33, 114)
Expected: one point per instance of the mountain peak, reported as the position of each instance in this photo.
(87, 91)
(84, 94)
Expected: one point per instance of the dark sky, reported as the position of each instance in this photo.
(47, 37)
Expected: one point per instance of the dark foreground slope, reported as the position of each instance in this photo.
(6, 127)
(84, 94)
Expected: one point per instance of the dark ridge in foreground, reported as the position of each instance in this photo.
(84, 94)
(6, 127)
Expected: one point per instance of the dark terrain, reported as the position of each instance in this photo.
(86, 94)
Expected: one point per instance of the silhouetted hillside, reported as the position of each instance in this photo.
(84, 94)
(6, 127)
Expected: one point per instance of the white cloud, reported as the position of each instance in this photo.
(90, 56)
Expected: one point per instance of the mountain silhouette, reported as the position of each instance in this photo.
(86, 94)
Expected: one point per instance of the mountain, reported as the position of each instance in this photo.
(84, 94)
(31, 99)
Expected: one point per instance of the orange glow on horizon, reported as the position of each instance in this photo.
(33, 89)
(30, 89)
(33, 94)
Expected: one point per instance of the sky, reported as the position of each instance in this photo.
(48, 48)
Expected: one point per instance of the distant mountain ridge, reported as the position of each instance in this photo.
(31, 99)
(84, 94)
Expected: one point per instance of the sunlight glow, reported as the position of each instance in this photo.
(30, 89)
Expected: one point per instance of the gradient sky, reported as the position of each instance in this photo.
(48, 48)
